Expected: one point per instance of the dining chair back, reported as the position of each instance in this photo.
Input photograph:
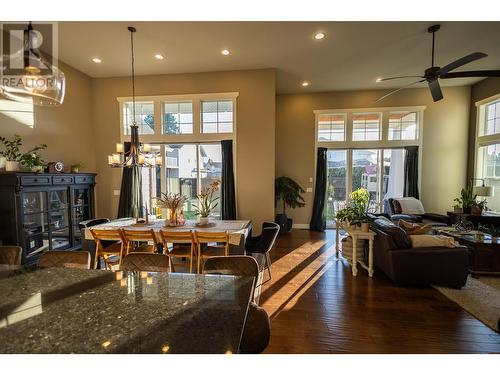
(11, 255)
(207, 248)
(264, 243)
(107, 252)
(183, 245)
(148, 262)
(238, 265)
(65, 259)
(139, 240)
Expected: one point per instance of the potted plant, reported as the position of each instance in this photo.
(33, 162)
(13, 154)
(347, 216)
(360, 199)
(466, 199)
(478, 207)
(75, 168)
(207, 202)
(289, 192)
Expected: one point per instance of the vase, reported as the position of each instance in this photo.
(172, 218)
(12, 166)
(365, 227)
(203, 220)
(3, 159)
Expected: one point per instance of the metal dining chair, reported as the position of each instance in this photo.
(144, 241)
(65, 259)
(257, 331)
(110, 252)
(11, 255)
(148, 262)
(211, 244)
(263, 243)
(183, 245)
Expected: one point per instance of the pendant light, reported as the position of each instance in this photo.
(136, 155)
(42, 83)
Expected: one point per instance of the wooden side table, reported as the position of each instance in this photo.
(356, 235)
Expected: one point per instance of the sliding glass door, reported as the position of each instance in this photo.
(380, 171)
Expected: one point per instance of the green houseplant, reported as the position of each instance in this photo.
(33, 162)
(355, 213)
(477, 207)
(207, 202)
(466, 200)
(13, 155)
(289, 193)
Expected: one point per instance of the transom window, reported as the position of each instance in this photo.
(144, 117)
(178, 118)
(402, 125)
(366, 127)
(492, 123)
(331, 128)
(217, 116)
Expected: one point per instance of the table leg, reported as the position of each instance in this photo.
(354, 256)
(370, 257)
(337, 238)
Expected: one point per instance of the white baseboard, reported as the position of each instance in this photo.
(300, 226)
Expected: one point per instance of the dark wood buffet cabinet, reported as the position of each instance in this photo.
(41, 211)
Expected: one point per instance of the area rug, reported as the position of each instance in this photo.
(480, 297)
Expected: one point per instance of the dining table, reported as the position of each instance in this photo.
(61, 310)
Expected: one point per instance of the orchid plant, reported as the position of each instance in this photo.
(206, 200)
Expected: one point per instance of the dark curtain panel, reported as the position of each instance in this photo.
(228, 200)
(131, 190)
(318, 219)
(411, 172)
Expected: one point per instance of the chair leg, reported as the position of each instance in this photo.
(268, 262)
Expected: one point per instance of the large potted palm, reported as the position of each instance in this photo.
(289, 193)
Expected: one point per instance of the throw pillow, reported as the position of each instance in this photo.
(397, 207)
(415, 228)
(410, 205)
(427, 240)
(399, 236)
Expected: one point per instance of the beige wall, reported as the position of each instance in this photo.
(255, 131)
(67, 129)
(444, 148)
(481, 90)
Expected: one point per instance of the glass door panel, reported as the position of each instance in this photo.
(336, 183)
(210, 160)
(58, 199)
(34, 201)
(36, 233)
(366, 174)
(181, 171)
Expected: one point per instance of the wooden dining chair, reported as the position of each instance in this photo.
(148, 262)
(65, 259)
(183, 245)
(143, 241)
(113, 250)
(11, 255)
(211, 244)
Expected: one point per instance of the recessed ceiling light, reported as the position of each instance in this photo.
(159, 56)
(97, 60)
(225, 52)
(378, 80)
(319, 35)
(305, 84)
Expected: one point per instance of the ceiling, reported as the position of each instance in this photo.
(351, 57)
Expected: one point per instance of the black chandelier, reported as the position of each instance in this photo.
(138, 155)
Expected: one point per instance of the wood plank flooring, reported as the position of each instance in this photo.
(317, 306)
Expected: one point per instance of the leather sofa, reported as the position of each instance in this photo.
(404, 265)
(429, 218)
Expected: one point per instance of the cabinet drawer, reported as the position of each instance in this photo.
(84, 179)
(62, 180)
(35, 180)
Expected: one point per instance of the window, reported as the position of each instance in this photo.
(492, 123)
(217, 116)
(490, 156)
(331, 128)
(366, 127)
(402, 125)
(144, 117)
(178, 118)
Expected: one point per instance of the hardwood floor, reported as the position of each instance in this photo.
(317, 306)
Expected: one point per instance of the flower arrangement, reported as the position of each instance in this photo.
(206, 200)
(174, 203)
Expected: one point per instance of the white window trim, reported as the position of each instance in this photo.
(383, 143)
(483, 140)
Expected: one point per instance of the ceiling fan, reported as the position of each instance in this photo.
(433, 74)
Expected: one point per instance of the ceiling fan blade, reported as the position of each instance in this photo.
(435, 90)
(401, 88)
(472, 73)
(462, 61)
(390, 78)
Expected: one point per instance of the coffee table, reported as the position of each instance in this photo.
(484, 254)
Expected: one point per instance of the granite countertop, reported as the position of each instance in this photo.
(59, 310)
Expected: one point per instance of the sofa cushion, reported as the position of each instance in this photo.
(399, 236)
(410, 205)
(415, 228)
(427, 240)
(397, 207)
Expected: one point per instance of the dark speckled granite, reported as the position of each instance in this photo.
(61, 310)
